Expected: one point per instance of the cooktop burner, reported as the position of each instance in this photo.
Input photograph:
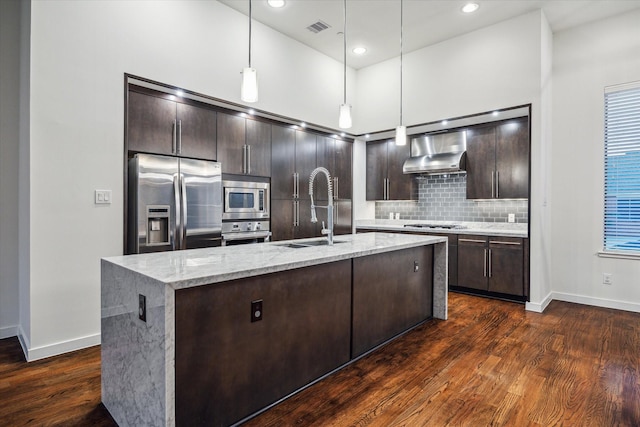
(445, 226)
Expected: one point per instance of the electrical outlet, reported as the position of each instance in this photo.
(607, 278)
(256, 310)
(142, 307)
(511, 218)
(416, 267)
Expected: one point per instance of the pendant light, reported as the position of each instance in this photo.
(249, 88)
(401, 131)
(344, 120)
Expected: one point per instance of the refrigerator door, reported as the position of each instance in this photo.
(152, 203)
(201, 199)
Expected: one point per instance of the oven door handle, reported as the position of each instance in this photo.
(248, 235)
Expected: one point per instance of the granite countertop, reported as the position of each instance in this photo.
(483, 228)
(194, 267)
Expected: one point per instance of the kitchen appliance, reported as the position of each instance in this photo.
(440, 153)
(245, 231)
(245, 200)
(173, 203)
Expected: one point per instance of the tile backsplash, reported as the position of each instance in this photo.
(443, 198)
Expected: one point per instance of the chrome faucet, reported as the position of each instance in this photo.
(329, 230)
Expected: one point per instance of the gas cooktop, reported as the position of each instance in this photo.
(445, 226)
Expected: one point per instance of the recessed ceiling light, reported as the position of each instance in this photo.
(470, 7)
(179, 93)
(251, 111)
(275, 3)
(495, 113)
(303, 124)
(444, 122)
(359, 50)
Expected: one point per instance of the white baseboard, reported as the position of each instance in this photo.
(539, 307)
(32, 354)
(8, 332)
(598, 302)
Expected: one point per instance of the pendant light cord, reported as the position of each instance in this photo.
(344, 37)
(249, 33)
(401, 28)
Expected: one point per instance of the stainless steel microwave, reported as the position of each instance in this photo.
(245, 200)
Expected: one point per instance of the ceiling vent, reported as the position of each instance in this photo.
(316, 27)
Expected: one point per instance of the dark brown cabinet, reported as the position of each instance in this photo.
(244, 145)
(385, 180)
(336, 156)
(158, 125)
(228, 366)
(498, 160)
(293, 158)
(391, 293)
(493, 264)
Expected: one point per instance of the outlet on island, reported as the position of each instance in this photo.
(256, 310)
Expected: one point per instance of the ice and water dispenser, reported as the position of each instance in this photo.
(158, 225)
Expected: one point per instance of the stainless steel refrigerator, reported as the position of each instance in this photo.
(173, 204)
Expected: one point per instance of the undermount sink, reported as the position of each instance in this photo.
(300, 245)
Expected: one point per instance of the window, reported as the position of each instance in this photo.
(622, 168)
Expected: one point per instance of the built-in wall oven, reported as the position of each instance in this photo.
(245, 213)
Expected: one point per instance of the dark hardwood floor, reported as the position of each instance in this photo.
(491, 363)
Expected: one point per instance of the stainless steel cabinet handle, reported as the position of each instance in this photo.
(249, 159)
(497, 184)
(174, 142)
(244, 159)
(499, 242)
(493, 185)
(335, 188)
(489, 262)
(471, 240)
(179, 136)
(485, 263)
(294, 185)
(297, 213)
(297, 185)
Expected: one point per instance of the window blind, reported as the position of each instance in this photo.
(622, 168)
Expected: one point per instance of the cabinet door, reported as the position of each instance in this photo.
(197, 132)
(401, 186)
(305, 161)
(342, 213)
(472, 262)
(512, 159)
(259, 148)
(325, 157)
(481, 160)
(150, 124)
(376, 170)
(305, 228)
(231, 141)
(390, 295)
(283, 161)
(282, 219)
(343, 159)
(506, 258)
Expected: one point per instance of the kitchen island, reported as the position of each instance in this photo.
(212, 336)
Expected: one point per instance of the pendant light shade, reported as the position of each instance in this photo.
(401, 135)
(345, 116)
(401, 131)
(249, 86)
(344, 120)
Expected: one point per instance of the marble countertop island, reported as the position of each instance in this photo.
(138, 356)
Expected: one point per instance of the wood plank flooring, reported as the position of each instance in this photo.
(492, 363)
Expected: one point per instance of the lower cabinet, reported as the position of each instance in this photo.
(391, 293)
(228, 367)
(492, 264)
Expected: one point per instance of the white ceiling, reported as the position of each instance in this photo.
(375, 24)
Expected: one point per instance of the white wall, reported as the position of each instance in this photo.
(9, 157)
(585, 60)
(79, 54)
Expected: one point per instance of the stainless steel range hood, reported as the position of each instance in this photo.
(437, 154)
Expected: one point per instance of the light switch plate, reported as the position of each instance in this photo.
(511, 218)
(103, 197)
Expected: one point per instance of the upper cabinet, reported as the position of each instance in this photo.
(161, 126)
(335, 155)
(498, 160)
(385, 180)
(244, 145)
